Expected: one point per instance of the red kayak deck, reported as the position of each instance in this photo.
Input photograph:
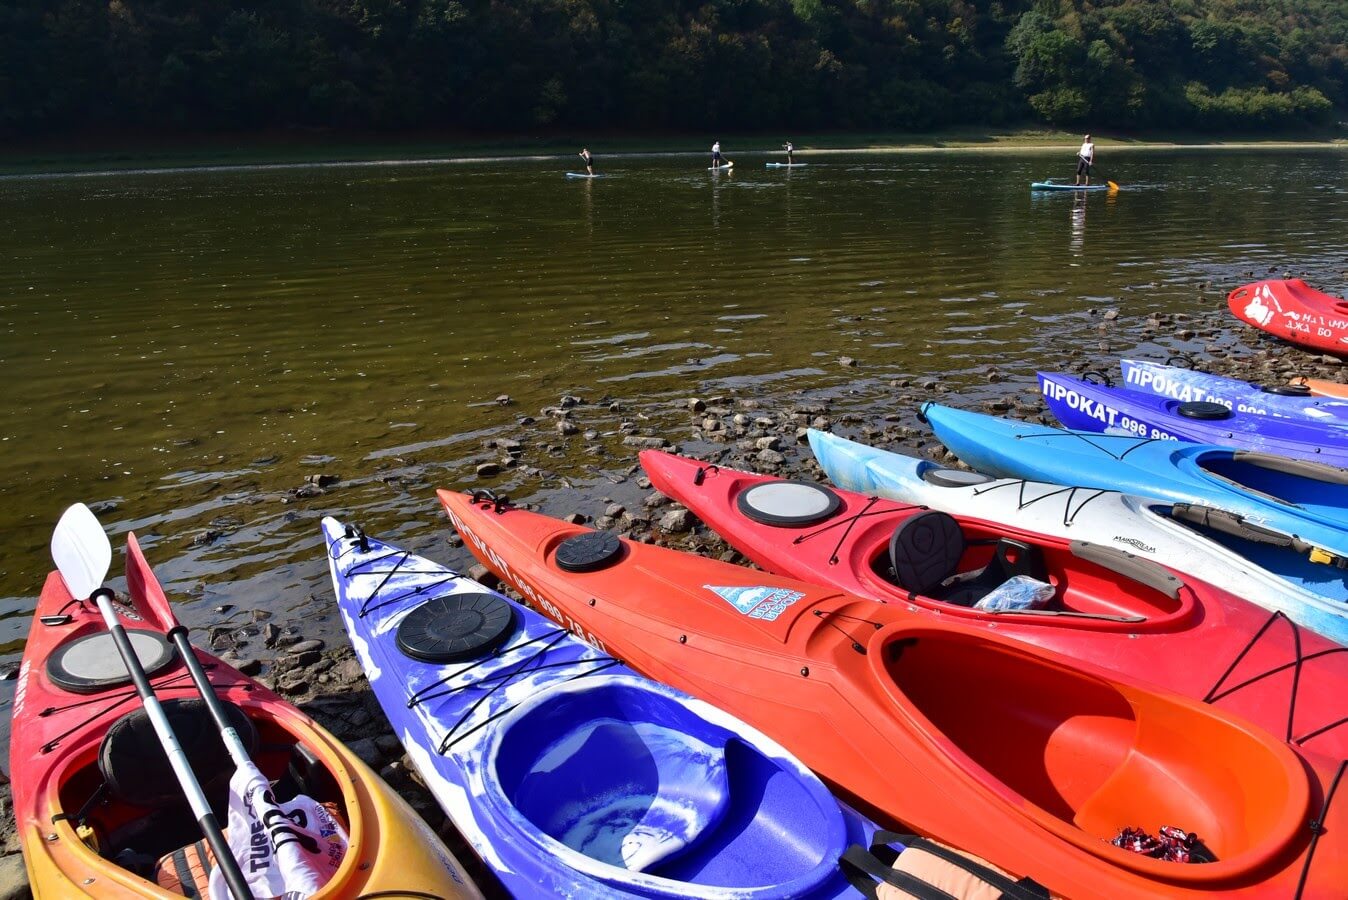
(1202, 642)
(1008, 751)
(1293, 310)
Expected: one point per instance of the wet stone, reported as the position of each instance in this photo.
(488, 470)
(484, 576)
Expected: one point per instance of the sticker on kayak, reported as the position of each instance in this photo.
(764, 603)
(1259, 311)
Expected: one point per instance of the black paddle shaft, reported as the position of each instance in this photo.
(215, 837)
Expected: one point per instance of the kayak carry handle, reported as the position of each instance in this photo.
(1097, 373)
(1238, 294)
(1143, 571)
(1298, 467)
(1236, 525)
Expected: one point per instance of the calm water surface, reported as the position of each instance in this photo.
(188, 346)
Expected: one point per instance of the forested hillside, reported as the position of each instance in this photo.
(634, 65)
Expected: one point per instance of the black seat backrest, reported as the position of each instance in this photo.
(1013, 557)
(925, 550)
(136, 769)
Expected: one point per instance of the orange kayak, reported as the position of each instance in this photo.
(1017, 754)
(99, 818)
(1322, 388)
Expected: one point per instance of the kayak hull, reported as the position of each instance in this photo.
(1088, 406)
(54, 764)
(1187, 386)
(1294, 311)
(947, 729)
(1293, 497)
(569, 774)
(1319, 387)
(1192, 643)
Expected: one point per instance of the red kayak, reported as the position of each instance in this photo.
(1294, 311)
(101, 815)
(1019, 755)
(1108, 608)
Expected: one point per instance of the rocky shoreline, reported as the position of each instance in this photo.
(738, 430)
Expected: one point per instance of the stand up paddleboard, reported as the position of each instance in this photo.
(726, 166)
(786, 165)
(581, 175)
(1054, 186)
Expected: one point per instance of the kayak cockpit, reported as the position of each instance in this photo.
(123, 802)
(637, 786)
(1087, 758)
(1304, 484)
(972, 568)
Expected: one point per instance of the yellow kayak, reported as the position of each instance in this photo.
(92, 825)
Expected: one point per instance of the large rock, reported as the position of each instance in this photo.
(676, 521)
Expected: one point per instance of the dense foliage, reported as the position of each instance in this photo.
(72, 65)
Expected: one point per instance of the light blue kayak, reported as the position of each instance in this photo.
(1289, 401)
(1303, 499)
(1259, 566)
(1056, 186)
(568, 773)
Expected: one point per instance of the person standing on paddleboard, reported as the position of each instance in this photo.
(586, 155)
(789, 150)
(716, 155)
(1085, 157)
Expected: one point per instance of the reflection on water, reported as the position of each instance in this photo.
(1078, 241)
(186, 347)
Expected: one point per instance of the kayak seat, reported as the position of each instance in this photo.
(136, 769)
(926, 549)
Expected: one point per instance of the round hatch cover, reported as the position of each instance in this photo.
(588, 551)
(456, 627)
(788, 503)
(953, 477)
(91, 663)
(1287, 390)
(1202, 409)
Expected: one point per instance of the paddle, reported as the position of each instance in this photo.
(83, 555)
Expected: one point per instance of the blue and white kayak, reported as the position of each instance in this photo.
(1056, 186)
(1255, 564)
(1089, 406)
(1306, 500)
(1288, 401)
(568, 773)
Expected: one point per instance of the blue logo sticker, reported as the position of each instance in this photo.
(764, 603)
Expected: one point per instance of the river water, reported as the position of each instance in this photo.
(184, 348)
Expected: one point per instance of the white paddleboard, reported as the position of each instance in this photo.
(580, 175)
(786, 165)
(715, 168)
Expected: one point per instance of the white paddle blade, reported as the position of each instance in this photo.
(81, 550)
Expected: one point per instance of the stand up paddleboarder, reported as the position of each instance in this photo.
(789, 150)
(716, 162)
(586, 155)
(1085, 157)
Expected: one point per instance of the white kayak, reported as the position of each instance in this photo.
(1196, 546)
